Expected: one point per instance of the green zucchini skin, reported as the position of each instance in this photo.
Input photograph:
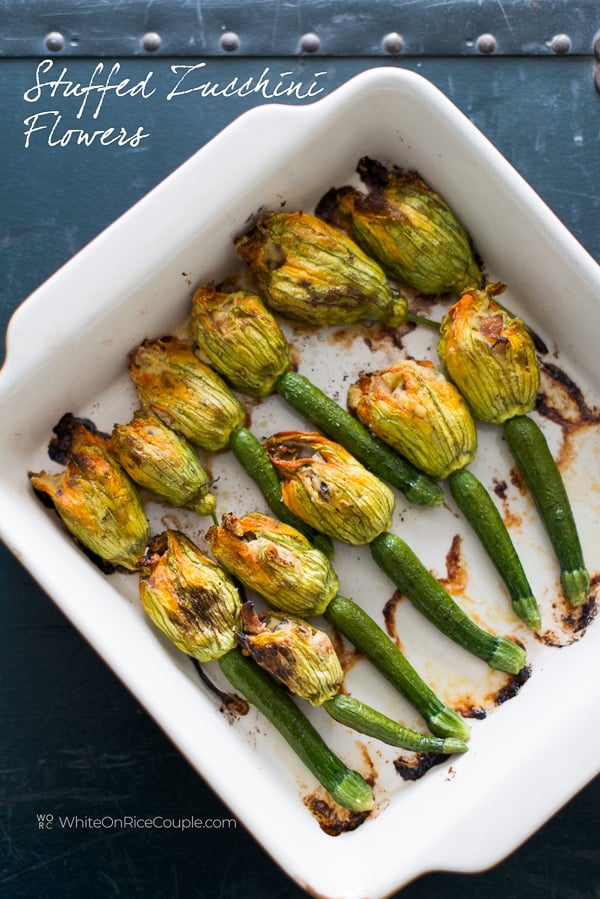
(347, 787)
(355, 714)
(544, 481)
(251, 455)
(364, 633)
(411, 577)
(343, 428)
(478, 508)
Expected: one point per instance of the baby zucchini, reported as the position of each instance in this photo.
(403, 567)
(346, 786)
(543, 478)
(355, 714)
(363, 632)
(339, 425)
(478, 508)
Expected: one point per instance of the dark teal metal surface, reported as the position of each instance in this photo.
(75, 742)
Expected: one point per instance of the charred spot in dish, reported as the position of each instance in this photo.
(332, 818)
(232, 705)
(512, 686)
(60, 446)
(562, 401)
(416, 766)
(467, 707)
(577, 619)
(500, 488)
(573, 620)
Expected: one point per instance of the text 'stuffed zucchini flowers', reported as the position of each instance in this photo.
(311, 271)
(327, 488)
(240, 338)
(297, 654)
(161, 461)
(490, 356)
(407, 227)
(96, 500)
(276, 561)
(184, 393)
(416, 410)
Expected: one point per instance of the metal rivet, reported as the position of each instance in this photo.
(310, 42)
(54, 41)
(151, 41)
(393, 42)
(229, 41)
(486, 43)
(561, 43)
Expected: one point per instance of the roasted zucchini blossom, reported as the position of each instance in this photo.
(295, 653)
(276, 561)
(184, 393)
(240, 338)
(97, 502)
(189, 597)
(417, 411)
(490, 356)
(160, 460)
(327, 488)
(407, 227)
(311, 271)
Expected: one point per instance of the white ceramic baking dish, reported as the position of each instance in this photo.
(67, 348)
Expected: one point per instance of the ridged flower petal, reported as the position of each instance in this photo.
(490, 356)
(417, 411)
(311, 271)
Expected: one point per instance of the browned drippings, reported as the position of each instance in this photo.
(389, 617)
(346, 653)
(517, 481)
(511, 686)
(561, 401)
(456, 569)
(413, 767)
(233, 706)
(469, 707)
(332, 818)
(574, 620)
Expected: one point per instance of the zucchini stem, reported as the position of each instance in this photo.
(406, 571)
(347, 787)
